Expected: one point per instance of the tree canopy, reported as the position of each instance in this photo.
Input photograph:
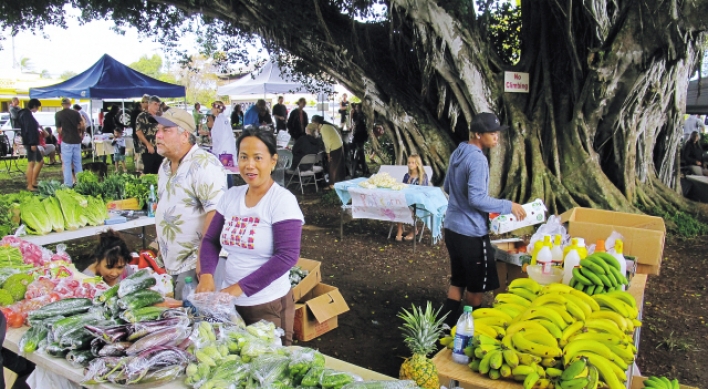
(600, 126)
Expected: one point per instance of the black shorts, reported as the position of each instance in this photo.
(472, 263)
(151, 162)
(34, 156)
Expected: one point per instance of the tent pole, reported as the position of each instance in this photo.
(93, 131)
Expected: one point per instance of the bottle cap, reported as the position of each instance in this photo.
(187, 280)
(467, 309)
(581, 242)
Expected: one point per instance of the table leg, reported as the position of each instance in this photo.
(414, 227)
(144, 245)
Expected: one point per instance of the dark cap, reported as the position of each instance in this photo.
(486, 122)
(317, 119)
(65, 100)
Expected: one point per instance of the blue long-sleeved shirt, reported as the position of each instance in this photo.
(251, 116)
(467, 184)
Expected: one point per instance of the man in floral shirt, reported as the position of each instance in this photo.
(146, 131)
(190, 184)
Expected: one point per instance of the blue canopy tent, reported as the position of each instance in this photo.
(108, 79)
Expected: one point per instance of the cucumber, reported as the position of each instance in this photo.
(136, 281)
(139, 299)
(55, 350)
(108, 293)
(80, 358)
(142, 314)
(66, 307)
(68, 324)
(30, 340)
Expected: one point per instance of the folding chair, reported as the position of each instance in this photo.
(310, 175)
(285, 160)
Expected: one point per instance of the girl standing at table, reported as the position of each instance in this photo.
(259, 226)
(415, 176)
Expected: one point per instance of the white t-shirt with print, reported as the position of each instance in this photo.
(184, 199)
(247, 237)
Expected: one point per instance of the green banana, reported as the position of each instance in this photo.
(599, 262)
(574, 369)
(580, 277)
(494, 374)
(589, 290)
(474, 365)
(590, 265)
(576, 383)
(511, 358)
(591, 275)
(531, 380)
(605, 281)
(484, 364)
(496, 359)
(608, 259)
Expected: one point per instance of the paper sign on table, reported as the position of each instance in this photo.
(387, 205)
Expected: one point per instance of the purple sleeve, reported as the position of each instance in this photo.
(209, 254)
(286, 250)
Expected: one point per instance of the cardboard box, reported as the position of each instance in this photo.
(318, 312)
(535, 214)
(506, 274)
(644, 236)
(308, 283)
(508, 251)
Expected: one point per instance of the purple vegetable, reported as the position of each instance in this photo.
(114, 350)
(96, 345)
(166, 337)
(138, 330)
(155, 358)
(109, 334)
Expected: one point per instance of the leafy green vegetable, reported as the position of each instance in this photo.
(88, 188)
(10, 257)
(86, 176)
(47, 188)
(73, 207)
(53, 209)
(34, 216)
(96, 211)
(113, 186)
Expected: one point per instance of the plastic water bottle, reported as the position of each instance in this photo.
(152, 203)
(571, 260)
(582, 250)
(188, 287)
(463, 336)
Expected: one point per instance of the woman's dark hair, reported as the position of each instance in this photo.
(266, 137)
(694, 134)
(114, 109)
(112, 247)
(34, 103)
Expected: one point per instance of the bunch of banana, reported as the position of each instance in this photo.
(500, 360)
(598, 273)
(660, 383)
(522, 291)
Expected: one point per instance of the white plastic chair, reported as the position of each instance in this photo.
(310, 175)
(282, 139)
(285, 160)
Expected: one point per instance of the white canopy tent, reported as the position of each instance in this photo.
(267, 80)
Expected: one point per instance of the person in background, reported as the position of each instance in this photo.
(264, 117)
(237, 117)
(111, 123)
(415, 176)
(14, 112)
(110, 259)
(472, 264)
(222, 137)
(361, 136)
(70, 126)
(693, 123)
(280, 113)
(297, 122)
(197, 114)
(50, 139)
(88, 123)
(334, 148)
(147, 128)
(44, 148)
(693, 155)
(29, 131)
(306, 144)
(344, 114)
(137, 150)
(191, 181)
(259, 225)
(164, 107)
(119, 150)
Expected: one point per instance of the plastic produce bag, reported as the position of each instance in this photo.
(45, 379)
(268, 369)
(266, 330)
(214, 307)
(332, 379)
(610, 241)
(253, 348)
(40, 287)
(153, 359)
(61, 254)
(552, 227)
(304, 359)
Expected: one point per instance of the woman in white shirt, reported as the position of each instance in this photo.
(222, 137)
(259, 226)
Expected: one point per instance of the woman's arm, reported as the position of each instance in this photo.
(286, 250)
(210, 247)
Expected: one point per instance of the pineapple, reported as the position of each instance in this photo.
(421, 329)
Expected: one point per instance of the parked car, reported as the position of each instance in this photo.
(4, 117)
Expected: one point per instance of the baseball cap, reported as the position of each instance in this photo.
(175, 117)
(487, 122)
(317, 119)
(65, 100)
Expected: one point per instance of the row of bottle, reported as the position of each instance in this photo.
(548, 255)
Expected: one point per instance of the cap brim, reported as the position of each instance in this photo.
(164, 122)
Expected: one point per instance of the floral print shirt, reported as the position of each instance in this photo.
(184, 200)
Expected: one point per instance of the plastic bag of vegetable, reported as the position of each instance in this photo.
(268, 369)
(155, 358)
(266, 330)
(332, 379)
(168, 337)
(302, 360)
(214, 307)
(254, 348)
(31, 339)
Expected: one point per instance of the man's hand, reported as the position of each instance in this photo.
(698, 163)
(518, 211)
(33, 148)
(150, 149)
(206, 284)
(234, 290)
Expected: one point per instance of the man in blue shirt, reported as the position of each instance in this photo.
(472, 263)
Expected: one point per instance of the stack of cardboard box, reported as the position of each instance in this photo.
(317, 305)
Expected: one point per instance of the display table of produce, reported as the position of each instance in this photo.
(63, 367)
(452, 374)
(83, 232)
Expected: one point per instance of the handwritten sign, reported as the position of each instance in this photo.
(516, 82)
(387, 205)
